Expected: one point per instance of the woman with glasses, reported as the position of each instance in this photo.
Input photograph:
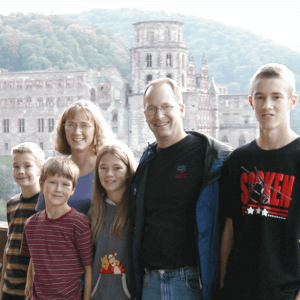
(80, 132)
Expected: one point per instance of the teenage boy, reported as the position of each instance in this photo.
(261, 187)
(27, 160)
(58, 239)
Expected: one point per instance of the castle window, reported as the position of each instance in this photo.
(40, 125)
(150, 35)
(20, 102)
(28, 102)
(6, 126)
(21, 125)
(148, 78)
(19, 84)
(117, 95)
(93, 95)
(11, 84)
(167, 34)
(39, 102)
(60, 83)
(169, 76)
(69, 100)
(11, 102)
(49, 83)
(42, 145)
(6, 146)
(28, 84)
(50, 125)
(169, 60)
(224, 139)
(80, 82)
(49, 101)
(115, 117)
(60, 101)
(138, 36)
(149, 60)
(70, 83)
(226, 103)
(242, 141)
(182, 80)
(39, 84)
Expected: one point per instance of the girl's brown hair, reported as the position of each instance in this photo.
(120, 220)
(103, 134)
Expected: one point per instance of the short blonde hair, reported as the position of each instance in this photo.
(175, 87)
(31, 148)
(274, 70)
(61, 166)
(102, 134)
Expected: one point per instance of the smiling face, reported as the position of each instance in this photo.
(272, 103)
(167, 127)
(113, 176)
(57, 191)
(80, 132)
(25, 170)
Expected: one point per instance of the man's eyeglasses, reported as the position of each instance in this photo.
(73, 126)
(152, 110)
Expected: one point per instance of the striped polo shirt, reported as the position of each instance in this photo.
(19, 209)
(59, 248)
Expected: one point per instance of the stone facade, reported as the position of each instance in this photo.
(32, 102)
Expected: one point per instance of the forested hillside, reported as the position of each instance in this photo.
(103, 37)
(38, 42)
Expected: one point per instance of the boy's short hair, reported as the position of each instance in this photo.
(31, 148)
(61, 166)
(274, 70)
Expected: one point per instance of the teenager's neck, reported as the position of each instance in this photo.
(271, 140)
(30, 191)
(57, 211)
(116, 196)
(85, 161)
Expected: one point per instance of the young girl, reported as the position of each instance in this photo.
(115, 166)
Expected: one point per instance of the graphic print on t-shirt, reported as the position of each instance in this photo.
(266, 193)
(110, 265)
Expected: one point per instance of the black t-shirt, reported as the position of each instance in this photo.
(172, 190)
(261, 193)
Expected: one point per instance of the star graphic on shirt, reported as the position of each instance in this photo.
(258, 211)
(264, 212)
(250, 211)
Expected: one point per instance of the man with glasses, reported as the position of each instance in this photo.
(174, 232)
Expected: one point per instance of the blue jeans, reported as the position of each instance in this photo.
(179, 284)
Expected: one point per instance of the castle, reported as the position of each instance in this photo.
(31, 102)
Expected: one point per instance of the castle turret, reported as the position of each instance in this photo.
(158, 52)
(204, 77)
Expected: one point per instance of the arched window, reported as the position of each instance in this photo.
(148, 78)
(242, 141)
(169, 60)
(149, 60)
(224, 139)
(93, 95)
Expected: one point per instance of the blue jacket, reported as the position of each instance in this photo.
(207, 219)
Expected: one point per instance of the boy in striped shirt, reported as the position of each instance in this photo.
(58, 239)
(27, 161)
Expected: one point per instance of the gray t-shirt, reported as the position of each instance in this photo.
(110, 262)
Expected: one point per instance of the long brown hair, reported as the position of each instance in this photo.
(103, 133)
(120, 220)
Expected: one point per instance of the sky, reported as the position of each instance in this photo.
(275, 20)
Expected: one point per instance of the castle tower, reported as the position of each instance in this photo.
(204, 77)
(158, 52)
(191, 75)
(214, 115)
